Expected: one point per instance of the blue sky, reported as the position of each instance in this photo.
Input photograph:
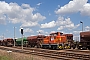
(43, 16)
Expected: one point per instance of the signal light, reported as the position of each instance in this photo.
(22, 31)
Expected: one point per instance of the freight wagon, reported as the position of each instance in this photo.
(56, 40)
(18, 41)
(32, 41)
(35, 41)
(1, 42)
(7, 42)
(84, 40)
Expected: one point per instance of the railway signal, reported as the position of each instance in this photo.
(82, 25)
(22, 31)
(14, 35)
(22, 36)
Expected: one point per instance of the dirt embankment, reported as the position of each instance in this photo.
(5, 55)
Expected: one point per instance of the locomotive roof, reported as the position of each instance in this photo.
(68, 34)
(55, 33)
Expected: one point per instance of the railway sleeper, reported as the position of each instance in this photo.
(27, 52)
(61, 54)
(35, 53)
(69, 55)
(57, 57)
(47, 55)
(78, 56)
(86, 56)
(40, 54)
(62, 58)
(54, 54)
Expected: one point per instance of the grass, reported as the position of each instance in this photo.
(5, 57)
(11, 56)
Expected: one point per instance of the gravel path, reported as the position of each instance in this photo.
(21, 56)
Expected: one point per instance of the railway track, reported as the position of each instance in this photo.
(79, 51)
(60, 54)
(66, 50)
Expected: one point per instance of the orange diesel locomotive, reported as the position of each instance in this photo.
(54, 41)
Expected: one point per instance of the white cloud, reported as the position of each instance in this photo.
(76, 32)
(65, 23)
(39, 4)
(76, 35)
(77, 25)
(29, 24)
(1, 37)
(25, 6)
(28, 30)
(42, 32)
(61, 23)
(58, 6)
(19, 14)
(48, 25)
(72, 7)
(61, 28)
(2, 19)
(52, 31)
(87, 28)
(86, 9)
(49, 14)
